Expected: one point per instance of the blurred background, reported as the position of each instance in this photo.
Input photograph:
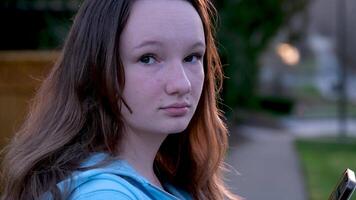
(289, 97)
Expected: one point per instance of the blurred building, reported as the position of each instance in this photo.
(324, 19)
(316, 73)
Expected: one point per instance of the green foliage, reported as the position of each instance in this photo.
(324, 160)
(246, 29)
(56, 29)
(46, 23)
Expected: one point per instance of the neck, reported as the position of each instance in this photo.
(139, 150)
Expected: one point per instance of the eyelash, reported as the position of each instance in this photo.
(197, 55)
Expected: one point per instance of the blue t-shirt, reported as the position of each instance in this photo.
(117, 180)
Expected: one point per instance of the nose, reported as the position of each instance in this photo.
(178, 82)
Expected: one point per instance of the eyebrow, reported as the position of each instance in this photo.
(157, 43)
(198, 44)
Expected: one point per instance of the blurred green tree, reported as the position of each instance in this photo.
(45, 22)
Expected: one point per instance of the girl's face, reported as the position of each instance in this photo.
(162, 48)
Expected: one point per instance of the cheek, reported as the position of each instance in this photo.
(141, 88)
(197, 81)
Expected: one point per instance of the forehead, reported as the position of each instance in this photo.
(162, 20)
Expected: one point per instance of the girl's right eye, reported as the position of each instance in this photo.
(147, 59)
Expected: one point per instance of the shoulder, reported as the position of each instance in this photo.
(106, 182)
(103, 186)
(117, 180)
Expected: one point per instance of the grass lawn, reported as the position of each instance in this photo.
(323, 161)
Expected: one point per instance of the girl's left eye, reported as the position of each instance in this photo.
(193, 58)
(148, 59)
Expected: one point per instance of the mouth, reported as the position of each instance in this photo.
(176, 109)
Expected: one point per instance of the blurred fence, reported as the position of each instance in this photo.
(21, 73)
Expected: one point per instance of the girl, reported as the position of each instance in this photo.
(129, 110)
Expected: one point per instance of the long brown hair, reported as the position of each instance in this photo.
(76, 111)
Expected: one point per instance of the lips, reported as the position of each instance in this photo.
(176, 109)
(177, 105)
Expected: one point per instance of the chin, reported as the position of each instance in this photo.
(181, 125)
(176, 131)
(176, 128)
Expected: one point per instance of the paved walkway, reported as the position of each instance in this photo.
(267, 164)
